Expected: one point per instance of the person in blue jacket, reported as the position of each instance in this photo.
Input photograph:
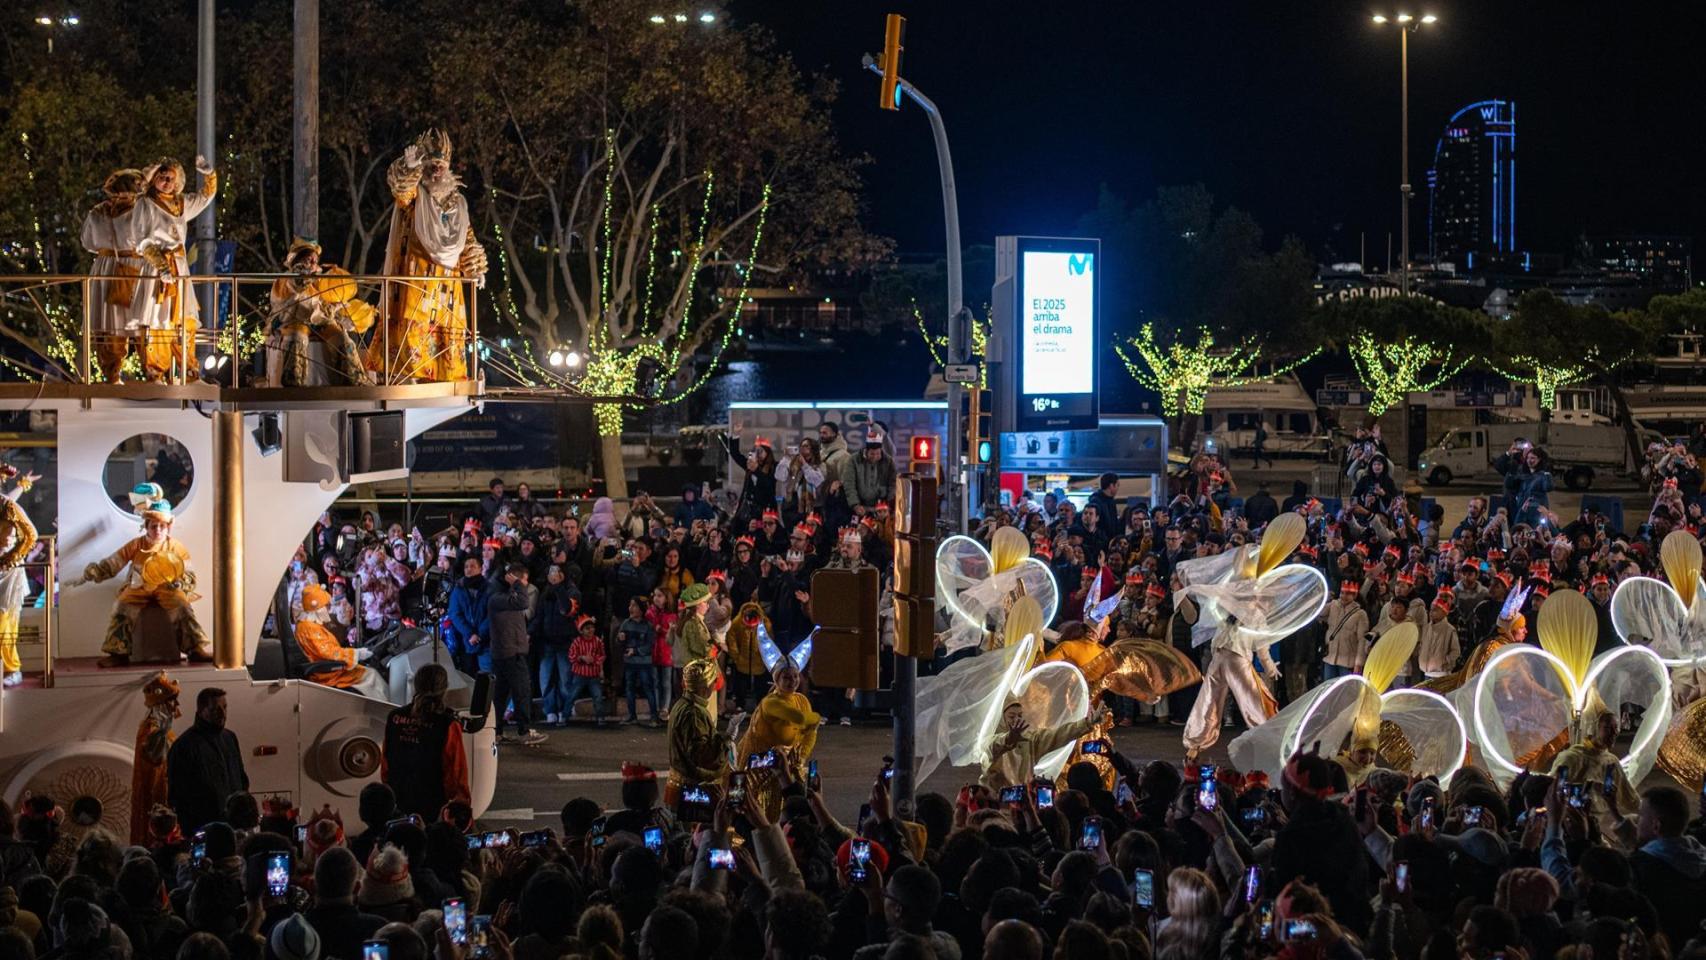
(466, 625)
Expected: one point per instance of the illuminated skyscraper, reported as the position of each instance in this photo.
(1472, 185)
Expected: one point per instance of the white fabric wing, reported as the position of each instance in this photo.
(1648, 612)
(1521, 701)
(1324, 713)
(1052, 693)
(959, 708)
(976, 600)
(1435, 730)
(1277, 604)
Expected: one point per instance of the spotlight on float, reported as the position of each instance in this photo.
(572, 358)
(214, 365)
(554, 358)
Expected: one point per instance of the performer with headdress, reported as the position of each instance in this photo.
(698, 750)
(322, 300)
(17, 538)
(1249, 600)
(159, 573)
(425, 336)
(153, 738)
(784, 721)
(110, 234)
(320, 644)
(164, 309)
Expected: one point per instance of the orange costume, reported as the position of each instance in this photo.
(153, 738)
(425, 332)
(320, 645)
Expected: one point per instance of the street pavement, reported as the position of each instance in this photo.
(581, 761)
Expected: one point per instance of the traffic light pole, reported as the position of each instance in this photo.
(959, 332)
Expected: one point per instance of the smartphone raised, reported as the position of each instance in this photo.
(1099, 747)
(480, 937)
(1401, 876)
(858, 860)
(1610, 786)
(1143, 887)
(722, 859)
(278, 874)
(456, 920)
(496, 838)
(761, 761)
(536, 838)
(1300, 930)
(814, 782)
(1265, 920)
(198, 847)
(1472, 816)
(1206, 771)
(1045, 796)
(695, 805)
(1207, 797)
(1013, 794)
(1123, 794)
(737, 786)
(302, 834)
(1090, 835)
(654, 839)
(376, 950)
(1252, 883)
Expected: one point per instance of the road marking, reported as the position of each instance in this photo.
(591, 777)
(523, 813)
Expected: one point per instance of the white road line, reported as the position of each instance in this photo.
(591, 777)
(522, 813)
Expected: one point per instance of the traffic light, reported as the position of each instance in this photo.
(915, 565)
(894, 36)
(844, 603)
(924, 450)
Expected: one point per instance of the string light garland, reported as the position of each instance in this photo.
(1183, 372)
(1394, 370)
(939, 342)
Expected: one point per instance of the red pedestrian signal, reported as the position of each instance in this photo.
(923, 449)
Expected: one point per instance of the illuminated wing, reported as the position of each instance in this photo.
(1052, 694)
(1647, 612)
(1683, 751)
(959, 708)
(1325, 713)
(1277, 604)
(961, 563)
(1422, 734)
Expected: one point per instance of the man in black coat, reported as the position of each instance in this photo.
(205, 765)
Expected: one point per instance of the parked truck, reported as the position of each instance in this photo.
(1578, 452)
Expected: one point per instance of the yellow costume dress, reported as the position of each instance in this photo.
(17, 537)
(782, 720)
(425, 331)
(327, 305)
(164, 311)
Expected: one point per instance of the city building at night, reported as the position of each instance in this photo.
(1472, 186)
(1663, 262)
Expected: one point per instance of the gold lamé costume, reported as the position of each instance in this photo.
(155, 573)
(784, 722)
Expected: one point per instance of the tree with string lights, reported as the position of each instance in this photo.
(1547, 343)
(1402, 345)
(637, 178)
(1211, 303)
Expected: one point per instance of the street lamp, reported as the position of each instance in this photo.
(54, 24)
(1407, 24)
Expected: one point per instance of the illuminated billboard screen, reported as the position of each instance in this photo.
(1058, 317)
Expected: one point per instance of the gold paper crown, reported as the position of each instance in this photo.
(435, 144)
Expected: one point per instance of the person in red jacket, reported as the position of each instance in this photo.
(586, 663)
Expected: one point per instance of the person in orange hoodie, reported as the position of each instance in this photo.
(319, 644)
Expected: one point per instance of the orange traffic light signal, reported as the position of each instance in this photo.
(894, 35)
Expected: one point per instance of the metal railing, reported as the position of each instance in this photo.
(66, 333)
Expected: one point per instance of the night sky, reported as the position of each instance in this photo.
(1289, 110)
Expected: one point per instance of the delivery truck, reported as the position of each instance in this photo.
(1579, 452)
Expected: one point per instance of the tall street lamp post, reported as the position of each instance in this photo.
(1407, 24)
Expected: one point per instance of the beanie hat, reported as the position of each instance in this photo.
(295, 939)
(1479, 844)
(387, 879)
(221, 840)
(81, 923)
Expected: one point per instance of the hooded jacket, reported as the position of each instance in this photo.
(1671, 872)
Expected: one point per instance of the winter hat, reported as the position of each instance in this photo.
(295, 939)
(1479, 844)
(81, 923)
(221, 840)
(387, 879)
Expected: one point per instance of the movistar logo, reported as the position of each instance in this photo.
(1077, 263)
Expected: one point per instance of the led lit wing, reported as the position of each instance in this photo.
(1649, 613)
(1052, 694)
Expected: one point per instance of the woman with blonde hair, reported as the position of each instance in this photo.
(1192, 927)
